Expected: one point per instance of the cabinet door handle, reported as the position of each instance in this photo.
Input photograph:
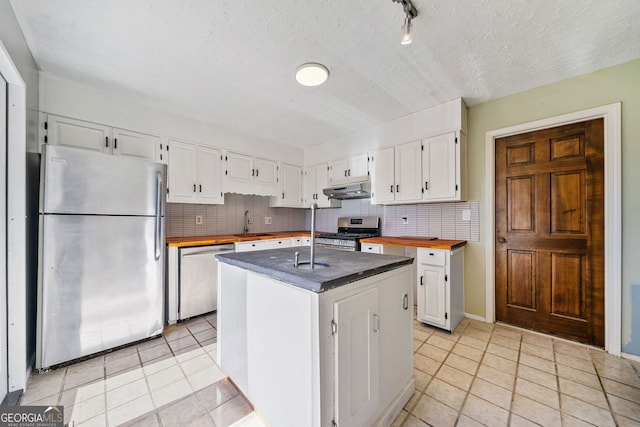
(194, 188)
(502, 240)
(421, 284)
(426, 185)
(397, 188)
(257, 170)
(253, 172)
(201, 188)
(283, 195)
(392, 188)
(115, 143)
(376, 323)
(106, 141)
(349, 170)
(405, 301)
(345, 173)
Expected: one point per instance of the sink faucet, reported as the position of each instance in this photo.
(312, 245)
(247, 221)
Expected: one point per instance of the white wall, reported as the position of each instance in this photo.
(447, 117)
(70, 99)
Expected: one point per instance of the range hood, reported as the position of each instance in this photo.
(350, 191)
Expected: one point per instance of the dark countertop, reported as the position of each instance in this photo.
(344, 267)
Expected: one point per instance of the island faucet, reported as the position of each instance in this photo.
(247, 221)
(312, 245)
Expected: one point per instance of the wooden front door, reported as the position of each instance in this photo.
(550, 231)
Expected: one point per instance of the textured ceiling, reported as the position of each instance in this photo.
(232, 62)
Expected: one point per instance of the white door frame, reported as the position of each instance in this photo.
(16, 223)
(612, 211)
(4, 376)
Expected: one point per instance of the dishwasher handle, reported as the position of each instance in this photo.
(185, 252)
(204, 253)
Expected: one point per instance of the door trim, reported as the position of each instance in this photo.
(16, 223)
(612, 216)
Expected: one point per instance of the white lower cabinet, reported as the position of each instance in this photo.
(341, 357)
(440, 287)
(260, 245)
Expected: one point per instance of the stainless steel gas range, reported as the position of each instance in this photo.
(350, 231)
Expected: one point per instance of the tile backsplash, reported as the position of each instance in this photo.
(229, 218)
(443, 220)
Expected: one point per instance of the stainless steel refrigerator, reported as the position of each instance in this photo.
(101, 253)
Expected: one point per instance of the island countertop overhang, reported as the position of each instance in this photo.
(344, 266)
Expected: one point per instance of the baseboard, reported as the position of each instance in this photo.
(474, 317)
(630, 357)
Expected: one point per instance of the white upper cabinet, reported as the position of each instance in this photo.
(396, 174)
(68, 132)
(77, 133)
(441, 167)
(195, 174)
(239, 168)
(348, 171)
(383, 176)
(245, 174)
(266, 172)
(134, 144)
(431, 170)
(290, 187)
(210, 175)
(408, 175)
(316, 179)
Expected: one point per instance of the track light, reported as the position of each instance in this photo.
(406, 31)
(411, 12)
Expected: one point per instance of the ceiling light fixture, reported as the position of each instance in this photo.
(410, 13)
(312, 74)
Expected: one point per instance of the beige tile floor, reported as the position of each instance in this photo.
(497, 375)
(482, 374)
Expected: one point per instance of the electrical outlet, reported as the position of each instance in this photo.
(267, 220)
(466, 214)
(198, 219)
(405, 219)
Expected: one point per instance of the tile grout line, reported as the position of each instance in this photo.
(515, 383)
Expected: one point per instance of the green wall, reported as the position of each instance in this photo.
(617, 84)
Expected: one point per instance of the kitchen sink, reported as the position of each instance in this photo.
(306, 265)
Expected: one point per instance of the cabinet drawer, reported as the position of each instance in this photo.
(371, 248)
(432, 257)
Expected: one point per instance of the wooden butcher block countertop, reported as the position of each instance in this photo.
(231, 238)
(419, 242)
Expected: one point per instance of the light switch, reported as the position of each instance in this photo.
(466, 214)
(198, 219)
(267, 220)
(405, 219)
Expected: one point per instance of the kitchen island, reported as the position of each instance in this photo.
(316, 347)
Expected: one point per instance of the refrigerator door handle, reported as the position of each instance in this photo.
(158, 224)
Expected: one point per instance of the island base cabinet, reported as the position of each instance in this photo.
(343, 356)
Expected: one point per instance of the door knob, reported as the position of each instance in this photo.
(502, 240)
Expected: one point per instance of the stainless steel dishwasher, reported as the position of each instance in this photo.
(198, 287)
